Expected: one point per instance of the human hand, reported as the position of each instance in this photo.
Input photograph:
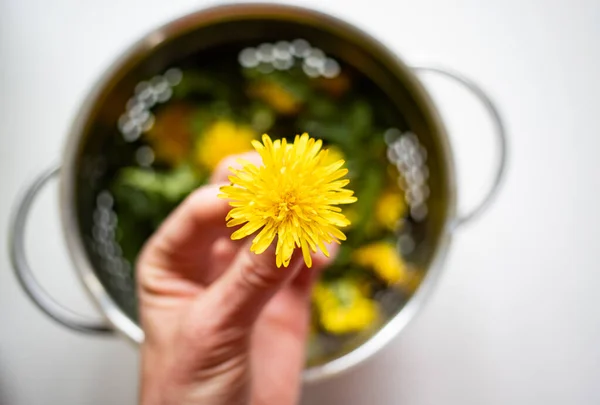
(223, 326)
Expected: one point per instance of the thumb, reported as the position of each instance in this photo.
(251, 281)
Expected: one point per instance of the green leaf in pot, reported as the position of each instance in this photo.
(360, 120)
(369, 186)
(171, 186)
(198, 83)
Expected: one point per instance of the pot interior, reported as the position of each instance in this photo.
(111, 140)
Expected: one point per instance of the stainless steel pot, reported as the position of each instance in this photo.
(193, 33)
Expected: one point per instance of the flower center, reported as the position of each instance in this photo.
(287, 201)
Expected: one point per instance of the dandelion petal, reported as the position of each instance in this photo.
(293, 197)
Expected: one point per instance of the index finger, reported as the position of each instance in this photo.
(190, 228)
(222, 172)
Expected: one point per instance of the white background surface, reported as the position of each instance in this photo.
(515, 318)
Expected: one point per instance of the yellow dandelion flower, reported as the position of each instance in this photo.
(383, 259)
(343, 308)
(293, 195)
(334, 154)
(222, 138)
(390, 208)
(280, 99)
(351, 214)
(171, 136)
(336, 86)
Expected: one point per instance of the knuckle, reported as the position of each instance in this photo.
(213, 348)
(199, 195)
(228, 161)
(223, 167)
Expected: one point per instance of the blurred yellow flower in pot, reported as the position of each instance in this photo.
(390, 208)
(171, 134)
(336, 86)
(276, 96)
(342, 307)
(221, 139)
(384, 259)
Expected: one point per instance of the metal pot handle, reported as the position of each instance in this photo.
(500, 133)
(24, 273)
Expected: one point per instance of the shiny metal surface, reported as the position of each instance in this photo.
(384, 67)
(27, 280)
(499, 133)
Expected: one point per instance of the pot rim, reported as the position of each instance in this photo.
(196, 20)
